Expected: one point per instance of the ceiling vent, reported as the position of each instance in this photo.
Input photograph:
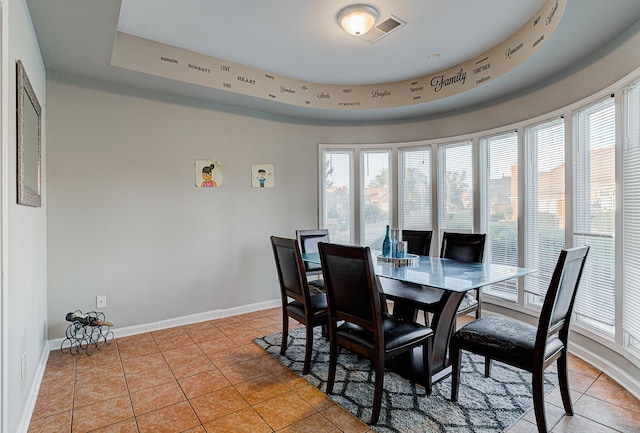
(383, 29)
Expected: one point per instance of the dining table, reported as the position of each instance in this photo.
(410, 287)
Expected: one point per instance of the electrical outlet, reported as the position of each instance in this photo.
(23, 365)
(101, 301)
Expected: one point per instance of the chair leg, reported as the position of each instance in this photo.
(377, 393)
(487, 366)
(333, 360)
(455, 356)
(427, 353)
(479, 310)
(285, 331)
(308, 349)
(563, 378)
(538, 400)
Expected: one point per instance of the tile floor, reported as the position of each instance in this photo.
(210, 377)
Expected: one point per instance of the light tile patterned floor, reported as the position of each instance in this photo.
(211, 378)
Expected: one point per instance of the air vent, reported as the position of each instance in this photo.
(383, 29)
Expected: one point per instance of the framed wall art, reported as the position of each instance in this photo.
(208, 173)
(262, 176)
(29, 141)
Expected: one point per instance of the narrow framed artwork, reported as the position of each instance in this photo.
(208, 173)
(262, 176)
(29, 141)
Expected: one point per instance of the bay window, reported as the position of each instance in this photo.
(569, 178)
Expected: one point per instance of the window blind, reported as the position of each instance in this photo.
(500, 207)
(544, 203)
(594, 205)
(375, 196)
(337, 194)
(414, 190)
(631, 218)
(455, 187)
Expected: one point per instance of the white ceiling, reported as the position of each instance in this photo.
(301, 39)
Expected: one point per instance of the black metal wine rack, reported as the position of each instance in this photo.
(86, 333)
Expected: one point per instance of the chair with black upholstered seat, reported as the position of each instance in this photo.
(310, 310)
(357, 321)
(526, 346)
(308, 241)
(418, 241)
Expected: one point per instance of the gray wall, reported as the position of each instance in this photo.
(125, 219)
(24, 236)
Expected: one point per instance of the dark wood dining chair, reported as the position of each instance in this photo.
(465, 247)
(418, 241)
(357, 321)
(308, 240)
(526, 346)
(310, 310)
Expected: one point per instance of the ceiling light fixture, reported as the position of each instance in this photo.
(357, 19)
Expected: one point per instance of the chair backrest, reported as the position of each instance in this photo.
(308, 240)
(418, 241)
(351, 285)
(291, 275)
(465, 247)
(555, 315)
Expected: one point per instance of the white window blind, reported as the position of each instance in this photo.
(375, 196)
(544, 203)
(414, 190)
(594, 205)
(500, 207)
(337, 195)
(631, 224)
(455, 187)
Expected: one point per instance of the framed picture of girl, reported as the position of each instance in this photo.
(208, 174)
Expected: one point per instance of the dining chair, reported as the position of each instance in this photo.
(358, 321)
(304, 307)
(418, 241)
(308, 240)
(465, 247)
(526, 346)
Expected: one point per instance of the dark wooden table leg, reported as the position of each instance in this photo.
(443, 323)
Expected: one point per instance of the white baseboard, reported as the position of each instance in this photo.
(628, 381)
(181, 321)
(32, 397)
(55, 344)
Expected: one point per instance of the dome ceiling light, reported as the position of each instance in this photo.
(357, 19)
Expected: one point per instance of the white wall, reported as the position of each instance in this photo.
(24, 246)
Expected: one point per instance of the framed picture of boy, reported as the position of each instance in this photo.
(262, 176)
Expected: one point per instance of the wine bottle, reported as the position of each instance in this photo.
(85, 319)
(386, 244)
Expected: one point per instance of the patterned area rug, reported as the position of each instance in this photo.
(484, 404)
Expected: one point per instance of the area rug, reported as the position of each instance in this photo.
(484, 404)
